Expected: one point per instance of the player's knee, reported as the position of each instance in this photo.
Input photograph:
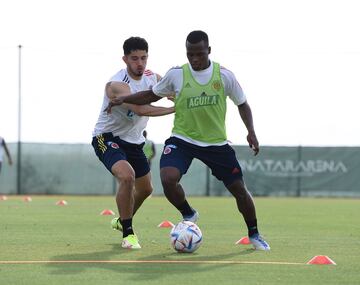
(168, 180)
(125, 178)
(147, 191)
(238, 189)
(169, 177)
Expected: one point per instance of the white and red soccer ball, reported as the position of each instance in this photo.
(185, 237)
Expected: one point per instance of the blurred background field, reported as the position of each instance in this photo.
(297, 229)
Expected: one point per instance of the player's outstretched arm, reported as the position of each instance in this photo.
(142, 98)
(151, 111)
(246, 116)
(139, 98)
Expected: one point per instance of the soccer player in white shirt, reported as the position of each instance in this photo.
(118, 137)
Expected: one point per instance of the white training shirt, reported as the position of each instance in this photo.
(173, 82)
(121, 121)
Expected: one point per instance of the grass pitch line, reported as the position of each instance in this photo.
(148, 261)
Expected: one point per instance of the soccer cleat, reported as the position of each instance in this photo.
(115, 224)
(193, 218)
(259, 243)
(130, 242)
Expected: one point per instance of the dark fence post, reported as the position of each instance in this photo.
(298, 177)
(18, 177)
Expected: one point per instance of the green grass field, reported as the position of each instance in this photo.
(52, 238)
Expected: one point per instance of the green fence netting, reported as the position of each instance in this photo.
(276, 171)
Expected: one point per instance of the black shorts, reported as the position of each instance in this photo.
(220, 159)
(110, 149)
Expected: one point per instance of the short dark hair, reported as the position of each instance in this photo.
(135, 43)
(197, 36)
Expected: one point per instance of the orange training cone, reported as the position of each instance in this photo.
(321, 259)
(107, 212)
(243, 240)
(166, 224)
(27, 199)
(61, 203)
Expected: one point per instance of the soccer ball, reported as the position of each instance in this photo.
(186, 237)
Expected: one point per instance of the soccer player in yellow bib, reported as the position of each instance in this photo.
(201, 87)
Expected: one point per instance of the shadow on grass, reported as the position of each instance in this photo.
(146, 270)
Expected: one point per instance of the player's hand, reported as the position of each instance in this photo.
(253, 142)
(108, 108)
(171, 97)
(114, 102)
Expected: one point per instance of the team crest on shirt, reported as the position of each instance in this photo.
(168, 148)
(130, 114)
(148, 72)
(216, 85)
(113, 145)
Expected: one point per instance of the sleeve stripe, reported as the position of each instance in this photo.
(126, 79)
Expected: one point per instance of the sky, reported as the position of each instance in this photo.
(298, 63)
